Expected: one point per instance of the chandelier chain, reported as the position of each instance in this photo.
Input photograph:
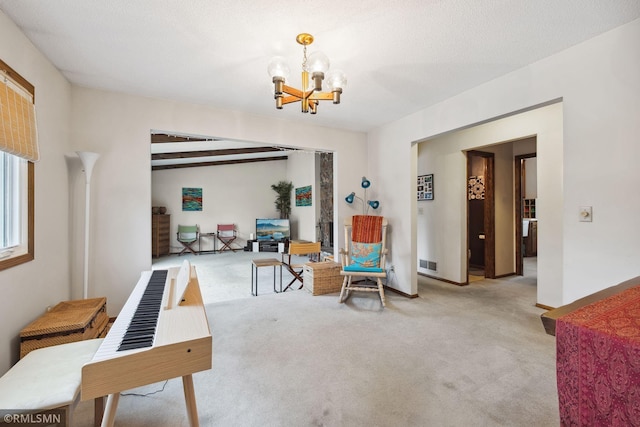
(304, 58)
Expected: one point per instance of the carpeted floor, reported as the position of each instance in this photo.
(456, 356)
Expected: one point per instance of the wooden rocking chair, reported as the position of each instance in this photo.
(364, 255)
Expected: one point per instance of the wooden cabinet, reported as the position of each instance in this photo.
(160, 235)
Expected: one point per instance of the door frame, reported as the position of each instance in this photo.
(518, 207)
(489, 213)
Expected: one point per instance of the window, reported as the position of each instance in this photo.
(13, 191)
(16, 203)
(17, 149)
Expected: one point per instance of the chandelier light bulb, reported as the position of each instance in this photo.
(336, 79)
(318, 62)
(278, 68)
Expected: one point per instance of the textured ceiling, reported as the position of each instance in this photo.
(399, 55)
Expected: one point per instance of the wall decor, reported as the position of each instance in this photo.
(425, 187)
(476, 187)
(191, 199)
(303, 196)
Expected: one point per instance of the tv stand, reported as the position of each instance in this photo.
(265, 245)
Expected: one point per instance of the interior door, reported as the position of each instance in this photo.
(481, 213)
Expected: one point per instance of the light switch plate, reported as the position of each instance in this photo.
(586, 214)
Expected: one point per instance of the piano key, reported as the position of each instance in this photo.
(140, 331)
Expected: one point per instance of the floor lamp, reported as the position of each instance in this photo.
(88, 161)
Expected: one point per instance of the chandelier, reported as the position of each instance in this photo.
(310, 95)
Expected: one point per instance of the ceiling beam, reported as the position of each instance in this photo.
(220, 163)
(212, 153)
(158, 138)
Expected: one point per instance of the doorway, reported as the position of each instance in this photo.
(480, 216)
(525, 169)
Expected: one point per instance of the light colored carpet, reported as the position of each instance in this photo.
(456, 356)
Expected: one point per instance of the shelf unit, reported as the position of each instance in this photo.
(528, 208)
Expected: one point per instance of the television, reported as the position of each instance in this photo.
(272, 229)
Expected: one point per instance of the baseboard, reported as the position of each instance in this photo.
(386, 288)
(502, 276)
(443, 280)
(545, 307)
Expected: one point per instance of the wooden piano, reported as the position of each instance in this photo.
(162, 332)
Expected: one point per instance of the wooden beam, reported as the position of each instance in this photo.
(158, 138)
(212, 153)
(220, 163)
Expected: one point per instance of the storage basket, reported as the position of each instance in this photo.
(68, 321)
(322, 277)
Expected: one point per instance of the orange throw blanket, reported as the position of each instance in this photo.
(366, 229)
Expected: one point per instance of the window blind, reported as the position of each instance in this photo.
(18, 134)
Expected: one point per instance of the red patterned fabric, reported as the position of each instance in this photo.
(366, 229)
(598, 362)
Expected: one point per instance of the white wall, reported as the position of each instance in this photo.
(301, 171)
(29, 288)
(445, 216)
(598, 82)
(239, 194)
(231, 194)
(118, 126)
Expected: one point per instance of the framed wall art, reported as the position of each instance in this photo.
(303, 196)
(425, 187)
(192, 199)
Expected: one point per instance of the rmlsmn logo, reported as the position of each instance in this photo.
(51, 418)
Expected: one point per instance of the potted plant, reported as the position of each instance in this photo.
(283, 201)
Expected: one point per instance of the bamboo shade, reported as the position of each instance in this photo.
(18, 135)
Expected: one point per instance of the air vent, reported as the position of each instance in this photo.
(429, 265)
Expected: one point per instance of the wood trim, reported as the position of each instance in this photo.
(13, 75)
(387, 288)
(544, 307)
(490, 220)
(160, 138)
(502, 276)
(213, 153)
(443, 280)
(219, 163)
(30, 255)
(489, 213)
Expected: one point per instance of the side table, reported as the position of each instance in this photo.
(267, 262)
(210, 235)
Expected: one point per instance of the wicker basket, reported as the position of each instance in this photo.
(68, 321)
(322, 277)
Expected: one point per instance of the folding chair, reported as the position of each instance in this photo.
(187, 236)
(226, 234)
(364, 255)
(312, 250)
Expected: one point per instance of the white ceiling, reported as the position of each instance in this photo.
(400, 56)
